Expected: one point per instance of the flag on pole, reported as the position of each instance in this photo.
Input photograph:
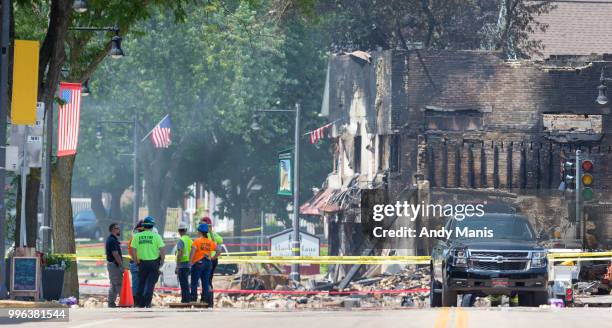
(160, 135)
(68, 118)
(318, 134)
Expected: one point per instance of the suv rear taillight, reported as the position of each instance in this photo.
(569, 295)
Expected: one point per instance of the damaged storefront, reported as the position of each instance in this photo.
(465, 127)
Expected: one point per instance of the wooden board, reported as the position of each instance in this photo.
(188, 305)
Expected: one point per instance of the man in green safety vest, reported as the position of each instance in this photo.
(148, 248)
(183, 248)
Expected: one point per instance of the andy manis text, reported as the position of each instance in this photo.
(404, 232)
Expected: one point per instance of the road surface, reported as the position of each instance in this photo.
(404, 318)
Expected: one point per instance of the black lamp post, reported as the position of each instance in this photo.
(295, 236)
(136, 142)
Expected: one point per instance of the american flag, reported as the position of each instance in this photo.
(161, 133)
(319, 133)
(68, 118)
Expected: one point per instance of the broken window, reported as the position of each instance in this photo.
(394, 153)
(571, 123)
(381, 152)
(357, 154)
(453, 120)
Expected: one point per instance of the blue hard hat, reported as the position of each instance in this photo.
(148, 222)
(203, 227)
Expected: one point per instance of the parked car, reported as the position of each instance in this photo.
(168, 277)
(510, 262)
(86, 225)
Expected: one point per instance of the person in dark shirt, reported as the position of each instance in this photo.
(114, 263)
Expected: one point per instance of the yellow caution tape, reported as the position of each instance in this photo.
(305, 259)
(261, 257)
(579, 255)
(251, 229)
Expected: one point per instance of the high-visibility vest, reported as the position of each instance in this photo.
(186, 248)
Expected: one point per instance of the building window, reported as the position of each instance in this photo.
(357, 154)
(394, 153)
(458, 120)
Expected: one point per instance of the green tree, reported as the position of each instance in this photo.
(81, 53)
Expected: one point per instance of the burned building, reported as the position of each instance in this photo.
(466, 126)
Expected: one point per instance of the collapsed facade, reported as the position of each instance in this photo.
(445, 127)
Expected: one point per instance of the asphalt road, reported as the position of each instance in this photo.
(404, 318)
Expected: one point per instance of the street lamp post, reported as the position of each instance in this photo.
(115, 52)
(295, 234)
(4, 60)
(135, 141)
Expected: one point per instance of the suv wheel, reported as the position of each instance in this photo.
(449, 298)
(540, 298)
(533, 299)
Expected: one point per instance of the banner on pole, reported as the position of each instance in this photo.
(285, 170)
(25, 82)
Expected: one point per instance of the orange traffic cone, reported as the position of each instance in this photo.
(126, 299)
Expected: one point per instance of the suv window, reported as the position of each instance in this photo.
(503, 228)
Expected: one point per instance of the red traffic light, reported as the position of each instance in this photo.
(587, 165)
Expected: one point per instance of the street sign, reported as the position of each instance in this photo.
(280, 244)
(36, 129)
(12, 158)
(34, 151)
(285, 171)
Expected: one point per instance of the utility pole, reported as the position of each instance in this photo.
(4, 73)
(295, 240)
(578, 179)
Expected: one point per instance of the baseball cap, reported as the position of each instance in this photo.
(206, 220)
(138, 226)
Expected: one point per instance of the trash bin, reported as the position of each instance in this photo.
(52, 284)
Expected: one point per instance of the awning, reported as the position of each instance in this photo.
(320, 203)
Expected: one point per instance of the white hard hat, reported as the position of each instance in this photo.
(183, 226)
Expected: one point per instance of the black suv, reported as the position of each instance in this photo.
(510, 262)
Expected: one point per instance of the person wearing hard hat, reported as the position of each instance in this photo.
(149, 256)
(183, 250)
(133, 267)
(201, 264)
(212, 235)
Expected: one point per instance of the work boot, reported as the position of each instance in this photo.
(112, 305)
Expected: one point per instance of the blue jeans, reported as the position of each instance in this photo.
(200, 271)
(148, 273)
(183, 278)
(134, 272)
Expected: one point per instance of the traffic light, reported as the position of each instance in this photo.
(587, 179)
(568, 174)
